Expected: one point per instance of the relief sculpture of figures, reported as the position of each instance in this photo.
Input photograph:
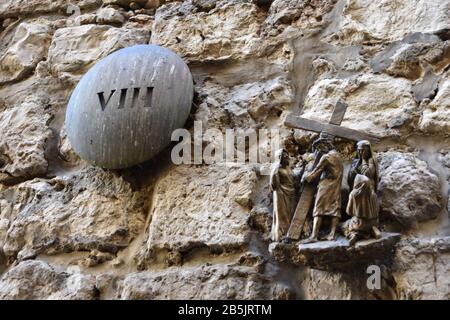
(329, 171)
(362, 205)
(282, 185)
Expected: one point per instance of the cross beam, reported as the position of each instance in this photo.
(333, 127)
(335, 130)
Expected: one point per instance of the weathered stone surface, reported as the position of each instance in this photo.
(41, 86)
(366, 21)
(349, 285)
(37, 280)
(140, 21)
(421, 268)
(124, 3)
(410, 192)
(298, 14)
(65, 148)
(336, 255)
(203, 282)
(74, 49)
(215, 219)
(88, 18)
(245, 105)
(377, 104)
(413, 60)
(24, 132)
(89, 210)
(436, 114)
(438, 56)
(324, 68)
(228, 31)
(94, 258)
(420, 57)
(14, 8)
(110, 16)
(406, 63)
(261, 220)
(29, 46)
(3, 261)
(444, 158)
(324, 285)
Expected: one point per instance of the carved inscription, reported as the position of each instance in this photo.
(102, 99)
(122, 101)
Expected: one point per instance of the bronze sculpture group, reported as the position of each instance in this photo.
(324, 180)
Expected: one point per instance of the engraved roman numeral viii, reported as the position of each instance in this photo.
(147, 100)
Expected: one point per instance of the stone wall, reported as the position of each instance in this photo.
(157, 231)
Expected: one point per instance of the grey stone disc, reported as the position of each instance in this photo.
(125, 108)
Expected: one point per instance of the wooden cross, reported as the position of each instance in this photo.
(333, 128)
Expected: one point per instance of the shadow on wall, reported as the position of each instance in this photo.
(2, 262)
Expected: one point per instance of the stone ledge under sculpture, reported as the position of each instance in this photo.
(337, 254)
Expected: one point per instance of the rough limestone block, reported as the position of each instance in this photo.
(421, 268)
(367, 21)
(37, 280)
(91, 209)
(30, 44)
(409, 190)
(24, 133)
(377, 104)
(201, 207)
(74, 49)
(203, 282)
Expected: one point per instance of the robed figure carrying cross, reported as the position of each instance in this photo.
(326, 173)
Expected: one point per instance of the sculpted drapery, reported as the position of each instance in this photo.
(328, 198)
(282, 185)
(362, 205)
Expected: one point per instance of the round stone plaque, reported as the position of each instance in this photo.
(125, 108)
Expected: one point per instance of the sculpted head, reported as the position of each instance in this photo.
(282, 156)
(364, 149)
(324, 143)
(324, 147)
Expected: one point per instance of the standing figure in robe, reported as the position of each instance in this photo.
(282, 185)
(362, 205)
(329, 171)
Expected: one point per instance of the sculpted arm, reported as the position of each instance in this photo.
(369, 169)
(274, 179)
(315, 173)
